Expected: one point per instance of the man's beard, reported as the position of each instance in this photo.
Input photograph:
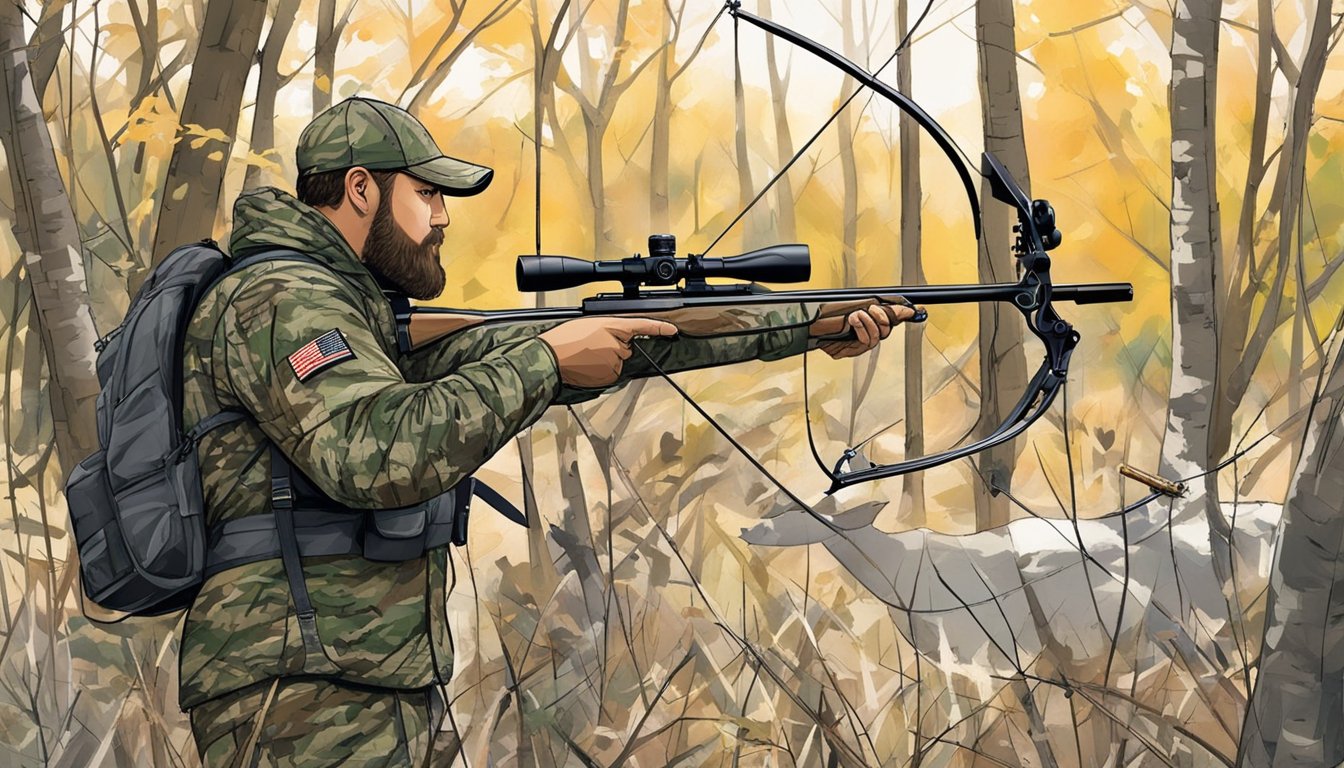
(410, 267)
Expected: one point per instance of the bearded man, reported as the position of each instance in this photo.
(335, 649)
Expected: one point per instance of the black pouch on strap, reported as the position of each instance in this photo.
(394, 535)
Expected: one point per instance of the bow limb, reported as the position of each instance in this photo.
(940, 136)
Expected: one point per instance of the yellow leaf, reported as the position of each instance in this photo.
(204, 134)
(139, 213)
(215, 156)
(180, 192)
(152, 123)
(262, 161)
(323, 83)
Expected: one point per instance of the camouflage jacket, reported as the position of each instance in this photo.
(376, 431)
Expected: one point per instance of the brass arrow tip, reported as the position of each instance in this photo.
(1157, 484)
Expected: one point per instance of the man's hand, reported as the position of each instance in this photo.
(591, 350)
(870, 325)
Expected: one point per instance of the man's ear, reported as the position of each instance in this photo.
(361, 191)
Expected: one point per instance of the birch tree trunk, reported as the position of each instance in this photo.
(46, 230)
(912, 273)
(1298, 702)
(191, 193)
(1195, 251)
(268, 85)
(1003, 367)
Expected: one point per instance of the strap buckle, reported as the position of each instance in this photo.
(282, 496)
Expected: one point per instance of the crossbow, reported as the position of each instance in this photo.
(680, 283)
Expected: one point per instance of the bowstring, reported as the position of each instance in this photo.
(779, 174)
(905, 41)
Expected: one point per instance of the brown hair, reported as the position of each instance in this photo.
(327, 189)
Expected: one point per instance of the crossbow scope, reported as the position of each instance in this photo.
(775, 264)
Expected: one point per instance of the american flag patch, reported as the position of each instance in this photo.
(320, 354)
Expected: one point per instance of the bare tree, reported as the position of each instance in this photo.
(912, 273)
(269, 83)
(440, 72)
(324, 56)
(46, 44)
(785, 226)
(746, 188)
(599, 88)
(669, 71)
(46, 230)
(1003, 366)
(195, 182)
(1298, 700)
(855, 33)
(852, 30)
(1195, 250)
(1244, 334)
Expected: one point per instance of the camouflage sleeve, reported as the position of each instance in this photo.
(356, 427)
(436, 358)
(751, 333)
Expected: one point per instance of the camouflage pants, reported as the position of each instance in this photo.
(312, 722)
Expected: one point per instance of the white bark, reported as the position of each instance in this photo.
(46, 230)
(1298, 704)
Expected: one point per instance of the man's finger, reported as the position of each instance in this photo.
(626, 328)
(883, 320)
(869, 319)
(903, 313)
(864, 328)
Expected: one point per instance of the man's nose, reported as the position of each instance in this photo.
(438, 214)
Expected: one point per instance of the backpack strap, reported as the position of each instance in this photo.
(226, 416)
(277, 254)
(282, 505)
(231, 415)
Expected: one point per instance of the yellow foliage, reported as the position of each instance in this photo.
(137, 215)
(264, 160)
(204, 135)
(152, 123)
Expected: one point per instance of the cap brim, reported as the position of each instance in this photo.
(454, 177)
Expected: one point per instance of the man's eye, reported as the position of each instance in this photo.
(427, 192)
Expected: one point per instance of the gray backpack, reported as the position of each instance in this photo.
(136, 505)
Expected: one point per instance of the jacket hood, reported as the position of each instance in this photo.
(271, 218)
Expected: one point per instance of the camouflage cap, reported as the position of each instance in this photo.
(381, 136)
